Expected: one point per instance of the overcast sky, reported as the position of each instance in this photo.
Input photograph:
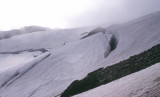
(71, 13)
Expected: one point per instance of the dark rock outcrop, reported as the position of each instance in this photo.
(114, 72)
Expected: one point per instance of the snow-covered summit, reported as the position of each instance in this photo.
(23, 30)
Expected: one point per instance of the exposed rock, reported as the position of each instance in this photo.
(116, 71)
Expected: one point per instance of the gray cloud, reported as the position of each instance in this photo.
(114, 11)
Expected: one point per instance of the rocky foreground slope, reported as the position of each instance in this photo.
(103, 76)
(145, 83)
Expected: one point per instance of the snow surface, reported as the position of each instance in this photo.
(60, 69)
(71, 58)
(21, 67)
(50, 39)
(23, 30)
(134, 37)
(138, 84)
(8, 60)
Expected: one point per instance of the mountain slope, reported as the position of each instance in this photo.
(24, 30)
(106, 75)
(65, 64)
(18, 64)
(145, 83)
(50, 39)
(134, 37)
(72, 58)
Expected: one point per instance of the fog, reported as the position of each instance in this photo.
(115, 11)
(72, 13)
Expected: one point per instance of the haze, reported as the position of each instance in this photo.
(71, 13)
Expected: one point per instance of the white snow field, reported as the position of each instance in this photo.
(50, 39)
(134, 37)
(18, 65)
(71, 58)
(145, 83)
(23, 30)
(9, 60)
(60, 69)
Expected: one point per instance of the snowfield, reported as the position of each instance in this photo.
(50, 39)
(9, 73)
(60, 69)
(134, 37)
(69, 58)
(23, 30)
(9, 60)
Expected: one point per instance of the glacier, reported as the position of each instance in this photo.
(68, 56)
